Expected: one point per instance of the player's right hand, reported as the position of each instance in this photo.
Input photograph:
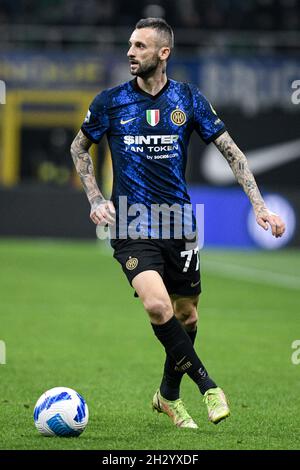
(103, 213)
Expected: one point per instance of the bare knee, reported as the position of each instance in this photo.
(159, 310)
(186, 312)
(188, 318)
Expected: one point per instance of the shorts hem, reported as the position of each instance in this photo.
(142, 271)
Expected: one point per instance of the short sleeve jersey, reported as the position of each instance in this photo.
(148, 138)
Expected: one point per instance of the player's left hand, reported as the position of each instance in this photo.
(265, 217)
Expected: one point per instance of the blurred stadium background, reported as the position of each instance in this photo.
(55, 56)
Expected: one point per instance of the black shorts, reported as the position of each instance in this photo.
(177, 261)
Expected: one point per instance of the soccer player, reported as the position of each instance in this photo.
(148, 122)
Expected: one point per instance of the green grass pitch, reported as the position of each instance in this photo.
(69, 318)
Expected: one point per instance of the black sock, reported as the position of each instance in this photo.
(179, 347)
(170, 384)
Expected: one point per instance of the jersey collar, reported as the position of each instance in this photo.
(136, 87)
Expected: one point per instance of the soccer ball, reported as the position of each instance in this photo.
(61, 412)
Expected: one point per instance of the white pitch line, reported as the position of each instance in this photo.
(258, 276)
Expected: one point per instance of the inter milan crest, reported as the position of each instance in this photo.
(178, 117)
(152, 116)
(131, 263)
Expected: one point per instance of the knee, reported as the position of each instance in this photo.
(158, 310)
(188, 318)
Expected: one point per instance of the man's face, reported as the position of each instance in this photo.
(143, 53)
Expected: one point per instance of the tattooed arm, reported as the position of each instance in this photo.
(102, 211)
(239, 166)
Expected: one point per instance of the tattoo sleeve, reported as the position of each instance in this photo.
(239, 166)
(84, 166)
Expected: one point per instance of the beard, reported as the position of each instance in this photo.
(145, 70)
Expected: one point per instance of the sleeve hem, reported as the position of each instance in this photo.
(215, 136)
(88, 136)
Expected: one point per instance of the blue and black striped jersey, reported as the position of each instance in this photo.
(148, 138)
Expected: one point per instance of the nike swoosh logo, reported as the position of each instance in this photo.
(216, 169)
(195, 284)
(181, 360)
(127, 120)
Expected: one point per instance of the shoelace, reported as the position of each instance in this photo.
(180, 408)
(212, 400)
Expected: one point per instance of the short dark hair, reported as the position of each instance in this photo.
(161, 26)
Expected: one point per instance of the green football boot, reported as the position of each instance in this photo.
(174, 409)
(217, 405)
